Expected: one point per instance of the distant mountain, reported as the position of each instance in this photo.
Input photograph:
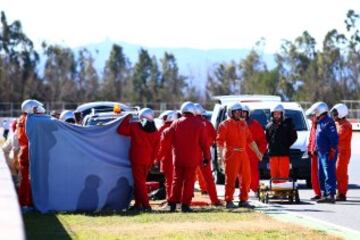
(193, 63)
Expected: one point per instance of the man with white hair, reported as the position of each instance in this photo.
(344, 129)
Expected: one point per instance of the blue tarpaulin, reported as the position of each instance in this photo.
(76, 168)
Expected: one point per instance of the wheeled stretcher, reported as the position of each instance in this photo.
(285, 190)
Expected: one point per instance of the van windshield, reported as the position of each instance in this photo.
(263, 117)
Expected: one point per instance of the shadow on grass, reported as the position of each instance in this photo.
(44, 226)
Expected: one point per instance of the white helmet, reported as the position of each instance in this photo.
(187, 107)
(146, 113)
(171, 116)
(164, 114)
(199, 110)
(341, 109)
(246, 108)
(320, 108)
(67, 116)
(32, 106)
(233, 107)
(278, 108)
(311, 110)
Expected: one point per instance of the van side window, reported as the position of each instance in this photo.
(260, 116)
(297, 118)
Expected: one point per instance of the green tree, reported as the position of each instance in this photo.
(141, 78)
(172, 82)
(353, 57)
(88, 79)
(155, 82)
(60, 74)
(18, 63)
(255, 77)
(223, 79)
(116, 75)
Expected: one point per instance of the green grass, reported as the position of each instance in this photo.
(204, 224)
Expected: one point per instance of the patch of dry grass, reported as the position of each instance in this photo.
(206, 223)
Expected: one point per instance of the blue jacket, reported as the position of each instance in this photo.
(326, 135)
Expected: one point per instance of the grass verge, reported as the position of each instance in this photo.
(205, 223)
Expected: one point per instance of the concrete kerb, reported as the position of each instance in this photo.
(307, 221)
(11, 223)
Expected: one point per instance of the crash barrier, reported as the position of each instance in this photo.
(11, 223)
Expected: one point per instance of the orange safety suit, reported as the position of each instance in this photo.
(143, 151)
(258, 134)
(314, 161)
(187, 136)
(235, 136)
(204, 174)
(166, 161)
(25, 198)
(344, 130)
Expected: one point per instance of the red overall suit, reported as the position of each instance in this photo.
(165, 158)
(188, 138)
(25, 198)
(206, 179)
(235, 136)
(344, 130)
(314, 161)
(258, 135)
(143, 151)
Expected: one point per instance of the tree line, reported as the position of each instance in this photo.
(303, 72)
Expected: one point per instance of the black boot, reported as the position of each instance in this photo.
(186, 208)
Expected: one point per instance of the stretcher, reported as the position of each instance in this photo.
(287, 190)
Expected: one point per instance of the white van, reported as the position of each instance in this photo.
(260, 106)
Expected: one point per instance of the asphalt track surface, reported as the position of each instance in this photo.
(342, 218)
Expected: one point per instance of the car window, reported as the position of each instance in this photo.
(99, 121)
(297, 118)
(263, 117)
(101, 108)
(221, 116)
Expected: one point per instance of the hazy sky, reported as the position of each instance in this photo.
(178, 23)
